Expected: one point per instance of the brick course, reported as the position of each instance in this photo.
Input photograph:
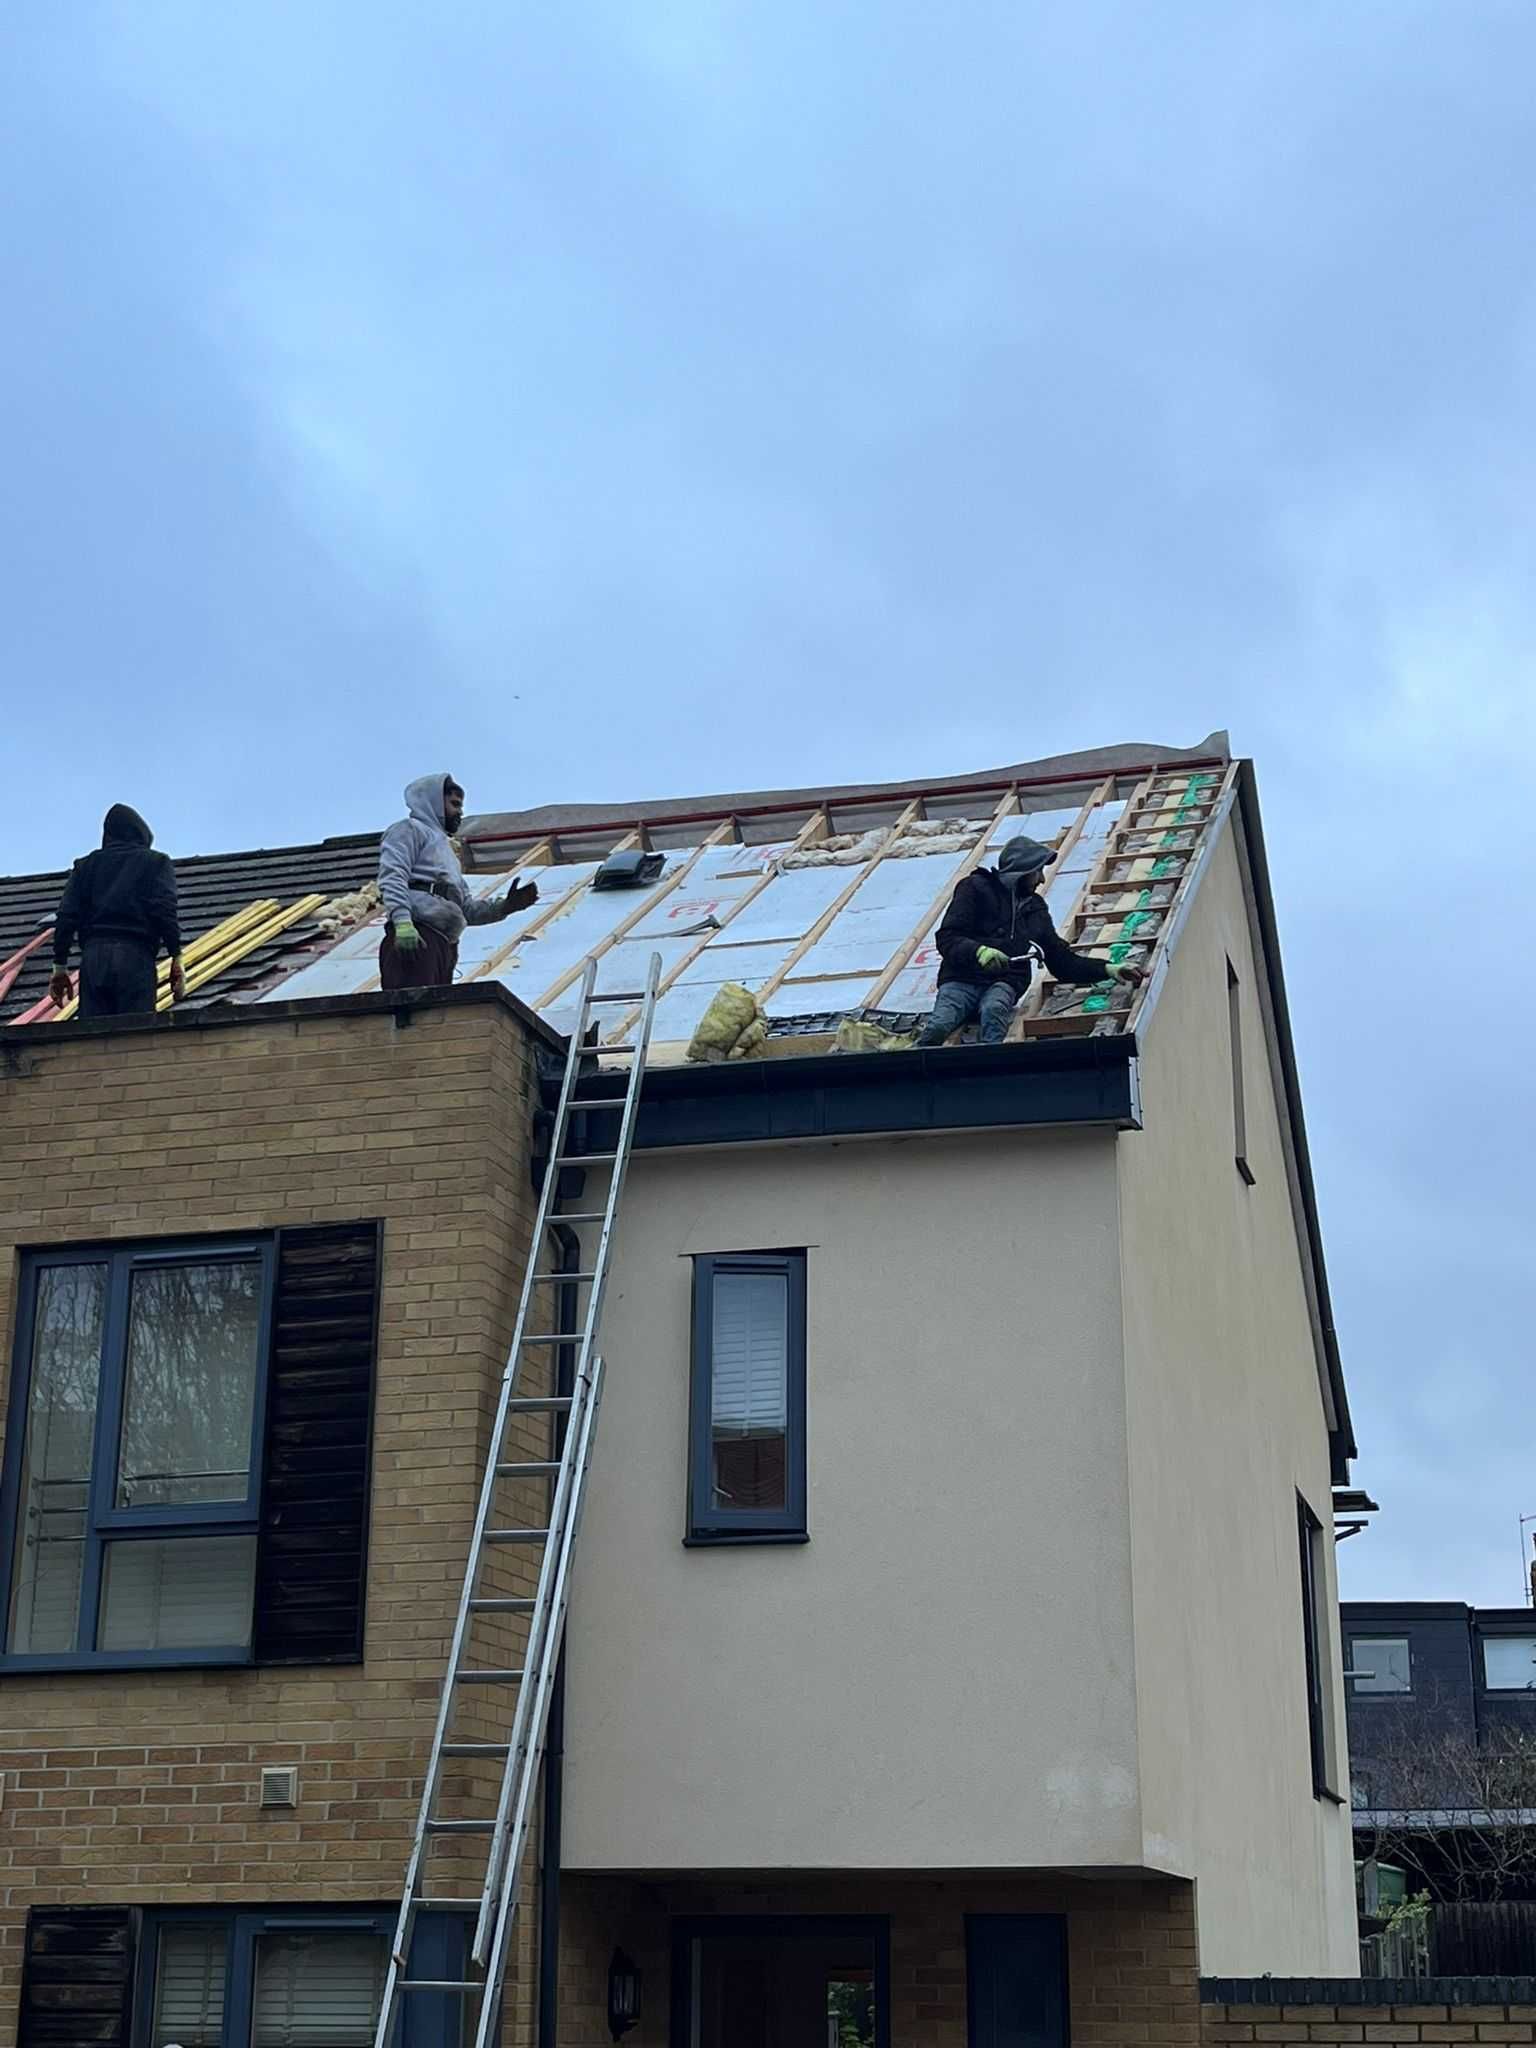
(1295, 2024)
(141, 1787)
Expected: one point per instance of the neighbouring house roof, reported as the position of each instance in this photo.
(211, 888)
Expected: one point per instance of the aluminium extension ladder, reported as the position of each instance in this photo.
(504, 1824)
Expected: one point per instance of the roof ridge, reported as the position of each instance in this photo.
(340, 842)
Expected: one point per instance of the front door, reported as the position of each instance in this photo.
(784, 1982)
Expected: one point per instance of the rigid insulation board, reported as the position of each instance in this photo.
(879, 917)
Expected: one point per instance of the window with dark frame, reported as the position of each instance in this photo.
(1321, 1729)
(166, 1395)
(746, 1478)
(1239, 1100)
(1509, 1662)
(284, 1977)
(1380, 1664)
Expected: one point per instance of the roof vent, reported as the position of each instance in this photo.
(630, 870)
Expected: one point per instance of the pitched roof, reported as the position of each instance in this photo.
(211, 887)
(503, 829)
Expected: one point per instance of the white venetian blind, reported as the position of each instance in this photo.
(319, 1990)
(177, 1592)
(189, 1987)
(749, 1353)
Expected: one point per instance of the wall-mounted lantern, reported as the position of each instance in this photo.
(623, 1995)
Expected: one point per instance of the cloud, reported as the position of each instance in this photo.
(618, 401)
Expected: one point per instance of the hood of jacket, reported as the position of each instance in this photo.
(123, 826)
(424, 799)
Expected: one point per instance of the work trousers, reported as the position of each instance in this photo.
(429, 965)
(959, 1001)
(117, 977)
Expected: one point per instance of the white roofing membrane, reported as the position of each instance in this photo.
(765, 915)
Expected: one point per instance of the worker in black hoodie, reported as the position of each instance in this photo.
(120, 902)
(995, 926)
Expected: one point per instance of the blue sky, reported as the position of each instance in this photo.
(612, 401)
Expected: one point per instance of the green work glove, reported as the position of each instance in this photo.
(990, 958)
(407, 938)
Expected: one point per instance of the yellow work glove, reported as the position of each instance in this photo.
(407, 938)
(990, 958)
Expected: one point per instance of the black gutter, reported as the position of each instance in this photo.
(1344, 1447)
(1040, 1083)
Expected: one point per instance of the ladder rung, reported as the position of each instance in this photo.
(580, 1216)
(500, 1604)
(476, 1749)
(529, 1468)
(488, 1675)
(617, 995)
(460, 1905)
(552, 1337)
(461, 1827)
(586, 1159)
(592, 1051)
(528, 1404)
(516, 1536)
(559, 1279)
(436, 1984)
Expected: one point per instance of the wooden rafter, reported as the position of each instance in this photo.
(814, 828)
(1035, 999)
(860, 876)
(935, 909)
(650, 898)
(1193, 862)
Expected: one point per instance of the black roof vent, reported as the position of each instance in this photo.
(631, 870)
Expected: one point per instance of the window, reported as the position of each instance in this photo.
(747, 1448)
(146, 1517)
(294, 1977)
(1509, 1663)
(1321, 1719)
(1380, 1664)
(139, 1466)
(1235, 1048)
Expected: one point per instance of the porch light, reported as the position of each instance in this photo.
(623, 1995)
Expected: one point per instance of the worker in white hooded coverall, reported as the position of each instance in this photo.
(427, 902)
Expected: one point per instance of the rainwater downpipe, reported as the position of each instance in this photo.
(554, 1741)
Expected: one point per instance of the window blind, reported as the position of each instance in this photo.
(189, 1987)
(183, 1592)
(749, 1353)
(320, 1990)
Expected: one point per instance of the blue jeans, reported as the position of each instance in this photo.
(959, 1001)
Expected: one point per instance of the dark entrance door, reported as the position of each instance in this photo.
(1016, 1980)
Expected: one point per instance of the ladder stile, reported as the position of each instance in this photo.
(528, 1675)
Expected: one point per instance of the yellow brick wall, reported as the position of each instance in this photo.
(141, 1787)
(1131, 1957)
(1387, 2024)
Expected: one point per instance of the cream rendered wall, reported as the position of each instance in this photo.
(941, 1678)
(1225, 1424)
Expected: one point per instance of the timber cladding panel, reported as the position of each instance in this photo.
(357, 1142)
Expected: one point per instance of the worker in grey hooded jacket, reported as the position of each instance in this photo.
(427, 902)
